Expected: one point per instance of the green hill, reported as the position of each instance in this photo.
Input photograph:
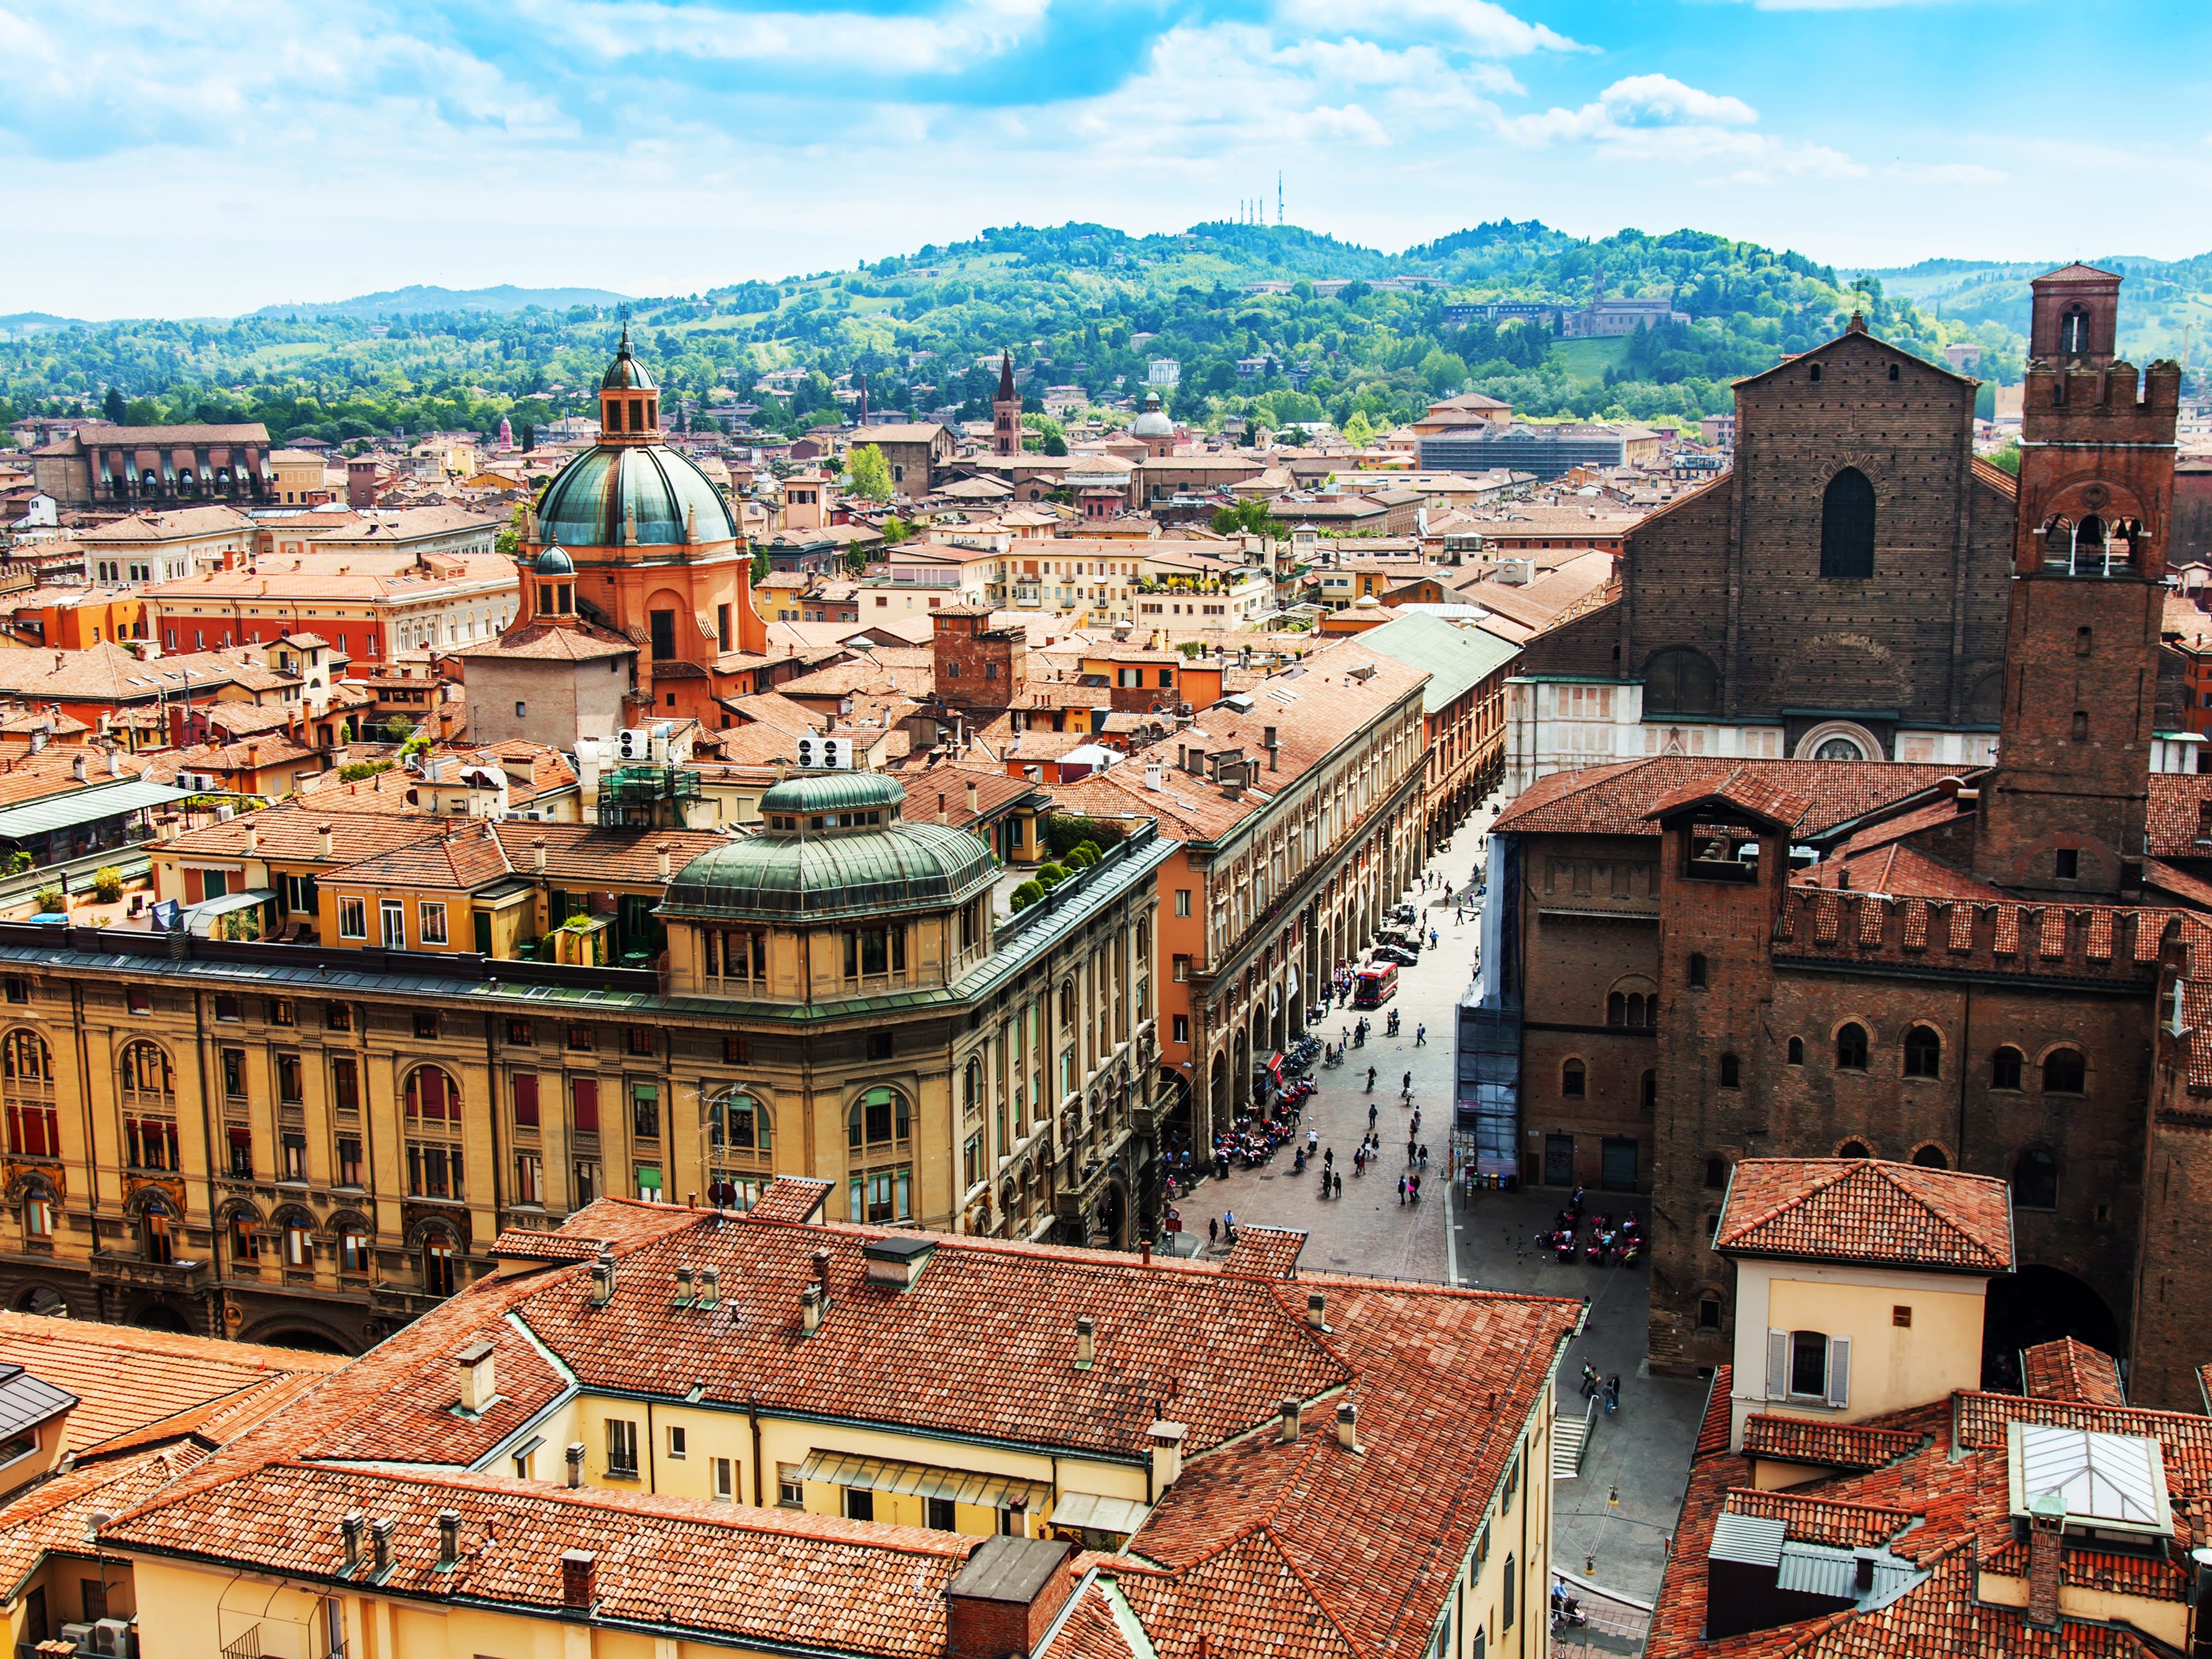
(1078, 304)
(2167, 309)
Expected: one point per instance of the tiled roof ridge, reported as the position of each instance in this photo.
(1979, 1410)
(1768, 1434)
(1889, 1518)
(1738, 1236)
(1258, 1534)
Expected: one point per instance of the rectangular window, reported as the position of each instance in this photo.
(228, 1008)
(294, 1149)
(426, 1024)
(138, 999)
(529, 1178)
(580, 1039)
(734, 1051)
(1182, 1028)
(282, 1012)
(725, 1486)
(518, 1033)
(349, 1160)
(352, 1252)
(939, 1517)
(345, 1083)
(860, 1504)
(1182, 900)
(645, 1110)
(585, 1092)
(353, 918)
(289, 1090)
(676, 1441)
(430, 921)
(662, 624)
(526, 1101)
(337, 1017)
(790, 1490)
(971, 1158)
(640, 1041)
(242, 1153)
(587, 1184)
(1505, 1608)
(394, 914)
(1179, 969)
(622, 1449)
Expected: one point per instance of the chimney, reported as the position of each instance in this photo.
(114, 760)
(821, 1263)
(322, 841)
(1862, 1560)
(1347, 1426)
(810, 1309)
(537, 853)
(478, 1381)
(1316, 1311)
(710, 1288)
(602, 1281)
(1155, 775)
(1167, 1453)
(379, 1539)
(350, 1535)
(77, 766)
(1007, 1596)
(1289, 1431)
(684, 1285)
(575, 1459)
(2046, 1524)
(974, 797)
(252, 838)
(895, 1263)
(940, 806)
(662, 851)
(577, 1569)
(449, 1537)
(1086, 1342)
(1273, 746)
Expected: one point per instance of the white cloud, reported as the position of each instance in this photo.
(1642, 102)
(962, 34)
(1477, 24)
(1945, 172)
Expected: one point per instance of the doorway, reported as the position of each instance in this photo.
(1559, 1160)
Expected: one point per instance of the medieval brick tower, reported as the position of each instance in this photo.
(1006, 411)
(2063, 811)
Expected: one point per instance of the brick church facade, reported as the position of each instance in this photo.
(1992, 967)
(1841, 593)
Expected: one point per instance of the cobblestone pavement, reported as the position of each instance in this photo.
(1640, 1454)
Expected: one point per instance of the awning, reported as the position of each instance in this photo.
(83, 807)
(990, 1491)
(1083, 1508)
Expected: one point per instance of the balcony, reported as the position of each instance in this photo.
(120, 1272)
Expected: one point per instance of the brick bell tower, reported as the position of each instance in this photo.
(1006, 411)
(2063, 813)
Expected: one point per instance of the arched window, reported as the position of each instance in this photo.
(439, 1258)
(971, 1087)
(1931, 1157)
(1924, 1052)
(2073, 333)
(2035, 1180)
(1851, 1048)
(34, 1124)
(149, 1108)
(433, 1105)
(1574, 1079)
(878, 1143)
(1680, 682)
(2004, 1068)
(432, 1095)
(157, 1231)
(1796, 1051)
(2064, 1072)
(1731, 1071)
(1854, 1149)
(737, 1125)
(1847, 527)
(1068, 1002)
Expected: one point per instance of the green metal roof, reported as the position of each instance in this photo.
(1457, 659)
(84, 806)
(649, 494)
(906, 866)
(833, 791)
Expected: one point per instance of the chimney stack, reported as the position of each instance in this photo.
(810, 1309)
(1347, 1426)
(379, 1539)
(478, 1378)
(684, 1285)
(2046, 1525)
(322, 841)
(663, 850)
(820, 1260)
(1167, 1453)
(449, 1537)
(1004, 1600)
(537, 853)
(349, 1534)
(575, 1457)
(1086, 1342)
(974, 797)
(603, 1280)
(1316, 1311)
(1289, 1432)
(576, 1573)
(710, 1288)
(252, 838)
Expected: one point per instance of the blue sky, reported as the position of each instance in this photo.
(208, 156)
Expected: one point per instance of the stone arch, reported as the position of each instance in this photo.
(148, 1195)
(2038, 1304)
(300, 1331)
(44, 1299)
(423, 1227)
(1855, 1146)
(1826, 741)
(1933, 1155)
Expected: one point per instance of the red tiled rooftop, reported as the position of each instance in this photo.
(1831, 1445)
(1865, 1209)
(2069, 1370)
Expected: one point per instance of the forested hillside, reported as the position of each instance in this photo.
(1077, 304)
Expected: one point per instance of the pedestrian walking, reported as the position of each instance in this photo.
(1425, 1158)
(1590, 1379)
(1213, 1230)
(1420, 1036)
(1432, 939)
(1412, 1152)
(1613, 1393)
(1339, 1183)
(1409, 1085)
(1413, 1184)
(1401, 1189)
(1373, 1112)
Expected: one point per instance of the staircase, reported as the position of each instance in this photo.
(1570, 1439)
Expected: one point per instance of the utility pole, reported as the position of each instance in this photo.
(1278, 198)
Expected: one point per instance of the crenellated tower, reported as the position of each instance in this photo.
(2063, 811)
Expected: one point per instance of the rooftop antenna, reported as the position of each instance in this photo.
(1278, 198)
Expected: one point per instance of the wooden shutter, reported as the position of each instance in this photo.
(1839, 1370)
(587, 1105)
(526, 1099)
(1777, 1365)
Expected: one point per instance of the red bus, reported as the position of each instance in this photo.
(1375, 985)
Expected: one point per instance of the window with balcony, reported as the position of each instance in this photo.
(880, 1147)
(149, 1108)
(27, 1075)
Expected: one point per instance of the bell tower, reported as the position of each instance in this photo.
(2063, 811)
(630, 400)
(1006, 411)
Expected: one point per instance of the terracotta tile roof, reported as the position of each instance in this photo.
(2068, 1369)
(2150, 1577)
(1266, 1252)
(463, 858)
(129, 1381)
(1832, 1445)
(1868, 1210)
(525, 1244)
(546, 643)
(1815, 1519)
(2176, 823)
(1750, 795)
(1713, 1428)
(1247, 1596)
(586, 852)
(292, 830)
(792, 1199)
(1616, 800)
(765, 1575)
(53, 1515)
(1088, 1629)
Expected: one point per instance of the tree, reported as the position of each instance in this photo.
(2008, 458)
(114, 406)
(1249, 517)
(1051, 436)
(1359, 429)
(867, 474)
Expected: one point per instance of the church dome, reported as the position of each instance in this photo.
(626, 373)
(553, 561)
(831, 846)
(1153, 423)
(607, 488)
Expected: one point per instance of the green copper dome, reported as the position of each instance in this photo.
(646, 489)
(832, 845)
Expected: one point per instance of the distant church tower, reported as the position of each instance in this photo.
(2063, 812)
(1006, 411)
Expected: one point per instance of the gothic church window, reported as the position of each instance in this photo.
(1847, 527)
(1680, 682)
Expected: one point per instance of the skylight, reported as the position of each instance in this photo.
(2108, 1482)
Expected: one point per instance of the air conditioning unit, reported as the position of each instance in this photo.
(115, 1637)
(77, 1636)
(634, 743)
(825, 753)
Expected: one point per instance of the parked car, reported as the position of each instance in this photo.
(1398, 954)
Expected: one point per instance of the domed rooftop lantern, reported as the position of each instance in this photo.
(630, 490)
(1153, 422)
(554, 574)
(629, 402)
